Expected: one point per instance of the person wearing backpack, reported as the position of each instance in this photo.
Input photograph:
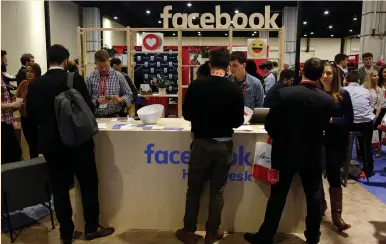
(66, 159)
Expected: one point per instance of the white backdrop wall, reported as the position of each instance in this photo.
(23, 31)
(111, 38)
(64, 19)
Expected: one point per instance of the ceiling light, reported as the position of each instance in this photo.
(174, 34)
(254, 32)
(194, 17)
(115, 17)
(199, 34)
(189, 5)
(304, 22)
(312, 33)
(332, 35)
(159, 22)
(350, 30)
(355, 18)
(305, 35)
(226, 34)
(236, 11)
(330, 27)
(148, 11)
(326, 12)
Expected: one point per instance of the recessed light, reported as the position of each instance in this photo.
(326, 12)
(304, 22)
(226, 34)
(199, 32)
(236, 11)
(194, 17)
(159, 21)
(189, 5)
(350, 30)
(312, 33)
(254, 32)
(174, 34)
(148, 11)
(330, 27)
(115, 17)
(305, 34)
(332, 35)
(355, 18)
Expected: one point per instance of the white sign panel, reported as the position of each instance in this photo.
(257, 48)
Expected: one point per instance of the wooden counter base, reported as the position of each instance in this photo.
(143, 182)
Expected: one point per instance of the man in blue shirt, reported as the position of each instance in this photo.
(251, 87)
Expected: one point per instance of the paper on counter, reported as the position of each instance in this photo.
(261, 127)
(152, 127)
(102, 125)
(114, 120)
(244, 128)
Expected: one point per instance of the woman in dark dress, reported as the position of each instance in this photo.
(336, 140)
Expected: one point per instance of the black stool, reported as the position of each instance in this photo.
(346, 165)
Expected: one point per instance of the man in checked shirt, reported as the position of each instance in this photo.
(108, 88)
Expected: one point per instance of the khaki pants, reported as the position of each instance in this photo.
(210, 160)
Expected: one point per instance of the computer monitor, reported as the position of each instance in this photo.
(259, 115)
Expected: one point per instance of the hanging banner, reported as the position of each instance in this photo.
(152, 42)
(257, 48)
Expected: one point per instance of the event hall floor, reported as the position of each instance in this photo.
(362, 209)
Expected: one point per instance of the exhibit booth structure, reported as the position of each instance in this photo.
(143, 169)
(177, 61)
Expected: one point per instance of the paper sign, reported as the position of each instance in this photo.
(257, 48)
(152, 42)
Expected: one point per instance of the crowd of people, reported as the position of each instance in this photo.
(304, 122)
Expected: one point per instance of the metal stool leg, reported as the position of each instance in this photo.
(8, 218)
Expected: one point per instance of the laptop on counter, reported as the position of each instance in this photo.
(259, 115)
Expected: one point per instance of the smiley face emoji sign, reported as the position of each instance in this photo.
(257, 48)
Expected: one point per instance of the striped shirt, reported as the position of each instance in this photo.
(113, 85)
(6, 115)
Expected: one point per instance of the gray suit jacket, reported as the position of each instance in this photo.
(362, 72)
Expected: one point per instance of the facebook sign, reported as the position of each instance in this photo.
(164, 157)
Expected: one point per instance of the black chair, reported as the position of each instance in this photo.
(346, 165)
(24, 184)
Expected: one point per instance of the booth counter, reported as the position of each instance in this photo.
(143, 181)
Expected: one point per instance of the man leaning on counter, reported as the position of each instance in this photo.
(108, 88)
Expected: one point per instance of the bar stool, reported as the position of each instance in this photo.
(346, 165)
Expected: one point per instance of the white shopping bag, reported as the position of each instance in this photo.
(375, 139)
(262, 164)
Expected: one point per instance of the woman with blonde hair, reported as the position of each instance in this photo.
(371, 84)
(336, 140)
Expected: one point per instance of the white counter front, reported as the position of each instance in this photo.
(143, 181)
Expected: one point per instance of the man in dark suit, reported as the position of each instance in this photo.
(296, 122)
(25, 60)
(65, 161)
(286, 79)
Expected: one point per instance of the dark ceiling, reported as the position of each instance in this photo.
(341, 14)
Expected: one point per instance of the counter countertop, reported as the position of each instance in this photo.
(171, 125)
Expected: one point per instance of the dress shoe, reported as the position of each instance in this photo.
(187, 237)
(99, 233)
(213, 236)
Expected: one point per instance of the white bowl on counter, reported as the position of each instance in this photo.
(247, 115)
(150, 115)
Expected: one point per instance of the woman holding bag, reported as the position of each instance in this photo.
(336, 140)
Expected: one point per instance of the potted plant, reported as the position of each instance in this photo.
(112, 51)
(161, 83)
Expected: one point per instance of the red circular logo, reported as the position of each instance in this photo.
(151, 42)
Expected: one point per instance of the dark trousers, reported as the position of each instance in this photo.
(30, 131)
(10, 146)
(210, 160)
(335, 155)
(378, 122)
(365, 141)
(311, 180)
(65, 164)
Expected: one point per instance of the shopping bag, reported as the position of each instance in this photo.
(375, 139)
(262, 164)
(382, 126)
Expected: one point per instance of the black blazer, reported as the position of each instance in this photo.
(41, 96)
(296, 123)
(21, 75)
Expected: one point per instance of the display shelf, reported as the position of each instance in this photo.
(157, 95)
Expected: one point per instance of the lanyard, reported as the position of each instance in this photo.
(103, 82)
